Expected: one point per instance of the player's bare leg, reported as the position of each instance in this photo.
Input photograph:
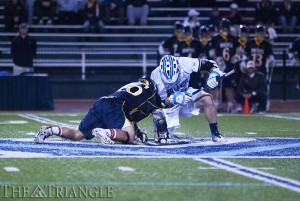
(125, 136)
(68, 133)
(107, 136)
(205, 100)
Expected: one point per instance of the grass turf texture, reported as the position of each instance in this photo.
(158, 179)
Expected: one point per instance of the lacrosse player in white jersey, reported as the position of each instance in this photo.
(172, 81)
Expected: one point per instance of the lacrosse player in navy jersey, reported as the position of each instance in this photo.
(172, 81)
(223, 47)
(114, 117)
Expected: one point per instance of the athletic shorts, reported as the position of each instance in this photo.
(107, 112)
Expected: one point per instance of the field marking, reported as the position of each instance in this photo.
(14, 122)
(253, 150)
(216, 168)
(281, 117)
(11, 169)
(20, 154)
(251, 133)
(126, 169)
(228, 184)
(284, 182)
(45, 120)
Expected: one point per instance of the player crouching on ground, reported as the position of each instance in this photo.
(172, 80)
(113, 118)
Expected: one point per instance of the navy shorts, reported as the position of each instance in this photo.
(105, 113)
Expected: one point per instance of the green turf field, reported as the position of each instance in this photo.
(164, 174)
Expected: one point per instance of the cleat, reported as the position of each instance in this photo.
(217, 137)
(44, 133)
(102, 135)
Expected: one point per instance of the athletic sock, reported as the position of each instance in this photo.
(56, 131)
(214, 128)
(111, 133)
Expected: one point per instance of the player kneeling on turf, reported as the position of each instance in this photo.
(172, 79)
(114, 117)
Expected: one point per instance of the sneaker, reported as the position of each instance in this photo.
(44, 133)
(102, 135)
(217, 137)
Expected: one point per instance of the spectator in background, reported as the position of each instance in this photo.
(29, 8)
(294, 52)
(114, 8)
(252, 86)
(170, 45)
(265, 13)
(189, 47)
(23, 51)
(235, 18)
(288, 16)
(15, 14)
(137, 10)
(46, 10)
(92, 17)
(192, 21)
(214, 18)
(67, 11)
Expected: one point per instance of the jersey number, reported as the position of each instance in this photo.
(258, 59)
(134, 89)
(226, 54)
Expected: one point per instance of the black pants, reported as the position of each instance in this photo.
(260, 98)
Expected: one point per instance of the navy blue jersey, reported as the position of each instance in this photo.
(133, 102)
(259, 53)
(140, 100)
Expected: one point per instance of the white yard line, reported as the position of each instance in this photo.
(287, 183)
(46, 121)
(281, 117)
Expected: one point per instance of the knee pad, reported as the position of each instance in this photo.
(159, 121)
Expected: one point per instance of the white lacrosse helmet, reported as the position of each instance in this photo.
(169, 69)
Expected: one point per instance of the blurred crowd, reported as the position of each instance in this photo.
(97, 13)
(224, 38)
(92, 14)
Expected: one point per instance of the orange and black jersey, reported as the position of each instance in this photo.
(192, 50)
(171, 44)
(139, 100)
(259, 53)
(224, 48)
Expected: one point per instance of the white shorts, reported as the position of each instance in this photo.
(188, 110)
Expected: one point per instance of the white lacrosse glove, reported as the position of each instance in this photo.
(179, 98)
(212, 81)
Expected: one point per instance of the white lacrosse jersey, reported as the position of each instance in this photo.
(186, 67)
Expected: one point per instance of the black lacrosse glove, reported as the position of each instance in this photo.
(140, 136)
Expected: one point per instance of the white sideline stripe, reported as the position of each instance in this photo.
(240, 184)
(281, 117)
(45, 120)
(288, 183)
